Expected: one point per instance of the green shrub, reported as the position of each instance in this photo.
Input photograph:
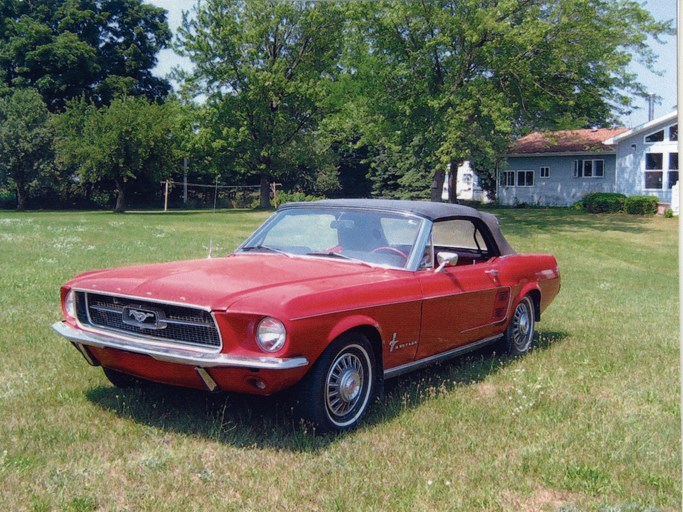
(668, 213)
(8, 199)
(604, 202)
(641, 205)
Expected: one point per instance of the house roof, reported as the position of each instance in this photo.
(645, 127)
(565, 141)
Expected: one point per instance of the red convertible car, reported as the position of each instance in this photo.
(332, 297)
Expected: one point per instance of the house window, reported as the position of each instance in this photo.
(653, 161)
(545, 172)
(653, 170)
(508, 179)
(673, 133)
(589, 168)
(673, 169)
(599, 167)
(525, 178)
(657, 136)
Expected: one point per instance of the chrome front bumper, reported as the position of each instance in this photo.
(173, 354)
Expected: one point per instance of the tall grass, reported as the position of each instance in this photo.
(588, 421)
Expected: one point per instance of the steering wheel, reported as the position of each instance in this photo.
(392, 250)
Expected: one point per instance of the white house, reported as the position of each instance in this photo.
(558, 168)
(647, 158)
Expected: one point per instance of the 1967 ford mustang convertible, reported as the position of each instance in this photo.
(331, 298)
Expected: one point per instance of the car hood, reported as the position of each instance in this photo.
(218, 283)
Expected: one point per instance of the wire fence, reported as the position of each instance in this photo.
(198, 196)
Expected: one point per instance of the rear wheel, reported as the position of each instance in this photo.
(519, 336)
(121, 380)
(337, 392)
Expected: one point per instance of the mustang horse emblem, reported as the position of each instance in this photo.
(144, 319)
(140, 316)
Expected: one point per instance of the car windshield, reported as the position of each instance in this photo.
(374, 237)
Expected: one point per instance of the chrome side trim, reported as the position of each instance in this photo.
(178, 355)
(415, 365)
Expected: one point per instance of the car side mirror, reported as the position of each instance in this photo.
(446, 259)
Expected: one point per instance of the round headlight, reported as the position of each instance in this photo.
(70, 303)
(271, 334)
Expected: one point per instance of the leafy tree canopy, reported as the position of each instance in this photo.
(93, 48)
(131, 139)
(447, 81)
(264, 66)
(25, 141)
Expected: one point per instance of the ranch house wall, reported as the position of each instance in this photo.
(553, 180)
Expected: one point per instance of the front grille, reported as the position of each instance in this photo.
(148, 319)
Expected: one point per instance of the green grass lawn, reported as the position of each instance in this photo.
(589, 421)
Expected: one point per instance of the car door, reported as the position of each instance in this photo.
(466, 302)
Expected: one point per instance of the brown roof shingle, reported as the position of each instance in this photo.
(565, 141)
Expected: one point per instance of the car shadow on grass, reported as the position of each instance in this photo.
(268, 422)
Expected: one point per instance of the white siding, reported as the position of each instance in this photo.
(631, 158)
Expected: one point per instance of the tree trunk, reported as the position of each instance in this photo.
(437, 185)
(453, 182)
(120, 197)
(21, 198)
(264, 192)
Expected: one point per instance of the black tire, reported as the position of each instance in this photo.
(519, 336)
(121, 380)
(338, 390)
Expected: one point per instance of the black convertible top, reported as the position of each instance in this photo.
(429, 210)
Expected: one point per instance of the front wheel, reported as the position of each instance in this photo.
(519, 336)
(337, 392)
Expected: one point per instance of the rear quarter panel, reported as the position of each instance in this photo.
(527, 272)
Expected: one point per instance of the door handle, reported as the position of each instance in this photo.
(493, 274)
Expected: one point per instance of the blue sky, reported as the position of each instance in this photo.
(663, 85)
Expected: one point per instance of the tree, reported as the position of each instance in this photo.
(450, 81)
(129, 140)
(93, 48)
(25, 141)
(264, 67)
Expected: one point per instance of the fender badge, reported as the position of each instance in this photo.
(395, 345)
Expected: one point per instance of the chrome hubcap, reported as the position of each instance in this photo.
(523, 327)
(350, 385)
(344, 384)
(524, 323)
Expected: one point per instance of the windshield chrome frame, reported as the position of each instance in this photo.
(413, 259)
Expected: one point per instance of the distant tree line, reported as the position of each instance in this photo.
(328, 98)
